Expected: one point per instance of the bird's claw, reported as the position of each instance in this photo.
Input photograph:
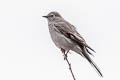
(65, 56)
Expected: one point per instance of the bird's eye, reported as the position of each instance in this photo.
(51, 15)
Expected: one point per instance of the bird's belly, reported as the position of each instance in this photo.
(61, 41)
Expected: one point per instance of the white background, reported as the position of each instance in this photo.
(28, 53)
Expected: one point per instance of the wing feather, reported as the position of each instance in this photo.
(70, 31)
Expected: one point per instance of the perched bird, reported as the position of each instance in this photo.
(66, 37)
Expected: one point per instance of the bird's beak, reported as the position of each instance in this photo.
(45, 16)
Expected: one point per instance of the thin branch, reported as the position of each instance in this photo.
(65, 57)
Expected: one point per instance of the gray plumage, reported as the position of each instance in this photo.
(66, 37)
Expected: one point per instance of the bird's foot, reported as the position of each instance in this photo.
(65, 56)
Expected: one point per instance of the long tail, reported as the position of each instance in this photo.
(85, 53)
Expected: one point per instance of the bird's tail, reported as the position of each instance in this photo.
(85, 53)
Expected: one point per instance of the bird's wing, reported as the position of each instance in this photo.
(70, 32)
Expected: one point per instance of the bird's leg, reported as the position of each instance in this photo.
(64, 53)
(65, 58)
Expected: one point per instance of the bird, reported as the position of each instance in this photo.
(66, 37)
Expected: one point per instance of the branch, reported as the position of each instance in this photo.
(65, 57)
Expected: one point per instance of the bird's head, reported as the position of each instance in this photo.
(52, 16)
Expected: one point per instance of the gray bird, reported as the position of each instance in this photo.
(66, 37)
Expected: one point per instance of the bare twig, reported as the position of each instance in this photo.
(65, 57)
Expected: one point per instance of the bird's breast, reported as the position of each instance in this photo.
(59, 39)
